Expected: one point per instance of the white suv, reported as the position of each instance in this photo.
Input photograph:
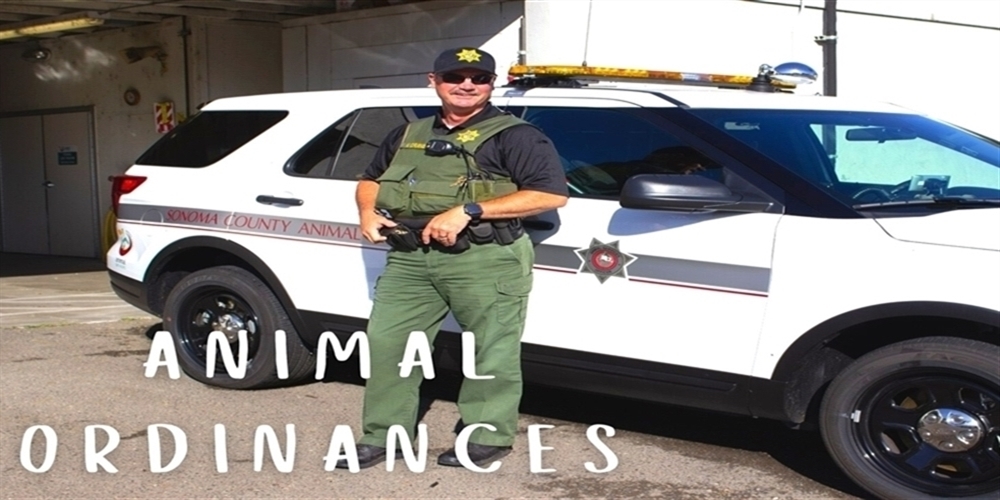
(800, 258)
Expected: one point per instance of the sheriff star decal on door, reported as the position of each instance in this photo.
(604, 260)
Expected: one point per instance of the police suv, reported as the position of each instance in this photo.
(747, 250)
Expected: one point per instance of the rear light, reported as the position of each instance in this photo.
(123, 184)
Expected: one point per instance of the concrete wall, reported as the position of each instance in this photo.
(231, 58)
(394, 46)
(89, 70)
(224, 59)
(941, 57)
(946, 70)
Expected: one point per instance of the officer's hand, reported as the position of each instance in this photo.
(444, 227)
(371, 222)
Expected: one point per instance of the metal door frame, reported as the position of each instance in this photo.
(92, 133)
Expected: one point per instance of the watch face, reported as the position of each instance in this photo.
(473, 210)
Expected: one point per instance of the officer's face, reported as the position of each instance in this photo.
(463, 89)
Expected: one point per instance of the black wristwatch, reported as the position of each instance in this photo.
(473, 210)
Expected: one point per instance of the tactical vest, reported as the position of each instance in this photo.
(417, 185)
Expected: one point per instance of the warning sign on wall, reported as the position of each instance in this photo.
(166, 120)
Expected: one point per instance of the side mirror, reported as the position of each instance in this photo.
(690, 193)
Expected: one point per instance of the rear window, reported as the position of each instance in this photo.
(209, 137)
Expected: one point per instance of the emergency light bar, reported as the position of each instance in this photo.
(784, 76)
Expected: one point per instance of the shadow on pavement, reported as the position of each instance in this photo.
(18, 264)
(800, 451)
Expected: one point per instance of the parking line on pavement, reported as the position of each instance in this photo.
(64, 309)
(47, 297)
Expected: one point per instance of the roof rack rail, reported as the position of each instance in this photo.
(782, 78)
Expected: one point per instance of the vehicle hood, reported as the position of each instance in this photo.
(969, 228)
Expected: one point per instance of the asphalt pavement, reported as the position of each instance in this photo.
(37, 291)
(71, 358)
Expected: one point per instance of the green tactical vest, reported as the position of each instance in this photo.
(417, 185)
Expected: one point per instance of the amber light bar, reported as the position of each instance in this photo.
(637, 74)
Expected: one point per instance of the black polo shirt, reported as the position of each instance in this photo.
(521, 152)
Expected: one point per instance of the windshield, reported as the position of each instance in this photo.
(872, 159)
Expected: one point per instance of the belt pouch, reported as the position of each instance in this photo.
(480, 233)
(502, 233)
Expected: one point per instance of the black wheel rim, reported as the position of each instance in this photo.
(217, 309)
(893, 425)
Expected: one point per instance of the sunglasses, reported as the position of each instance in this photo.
(480, 79)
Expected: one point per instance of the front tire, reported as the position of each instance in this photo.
(229, 299)
(918, 419)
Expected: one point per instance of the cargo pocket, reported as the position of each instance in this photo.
(522, 251)
(433, 197)
(512, 301)
(394, 188)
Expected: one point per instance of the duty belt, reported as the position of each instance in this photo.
(406, 237)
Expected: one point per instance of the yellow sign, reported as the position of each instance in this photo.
(468, 135)
(468, 55)
(165, 118)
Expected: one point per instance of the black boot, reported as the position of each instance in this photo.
(480, 454)
(368, 455)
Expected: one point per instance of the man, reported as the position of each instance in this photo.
(452, 210)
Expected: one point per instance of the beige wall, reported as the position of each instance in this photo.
(89, 70)
(395, 46)
(231, 58)
(224, 59)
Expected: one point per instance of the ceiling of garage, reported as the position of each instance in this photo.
(113, 14)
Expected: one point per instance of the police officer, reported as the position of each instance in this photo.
(448, 192)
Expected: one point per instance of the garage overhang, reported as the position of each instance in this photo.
(27, 20)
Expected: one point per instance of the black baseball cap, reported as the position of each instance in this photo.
(464, 58)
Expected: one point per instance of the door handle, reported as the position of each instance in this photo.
(49, 184)
(274, 200)
(541, 225)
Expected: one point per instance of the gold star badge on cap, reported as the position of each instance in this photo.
(469, 55)
(468, 135)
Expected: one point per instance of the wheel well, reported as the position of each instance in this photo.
(860, 339)
(819, 365)
(165, 276)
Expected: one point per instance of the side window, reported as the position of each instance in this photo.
(786, 141)
(345, 149)
(209, 137)
(365, 135)
(317, 157)
(601, 148)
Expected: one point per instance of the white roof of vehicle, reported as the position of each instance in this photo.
(694, 97)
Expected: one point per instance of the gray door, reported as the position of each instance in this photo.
(48, 185)
(69, 185)
(22, 194)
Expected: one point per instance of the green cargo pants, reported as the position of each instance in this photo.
(486, 289)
